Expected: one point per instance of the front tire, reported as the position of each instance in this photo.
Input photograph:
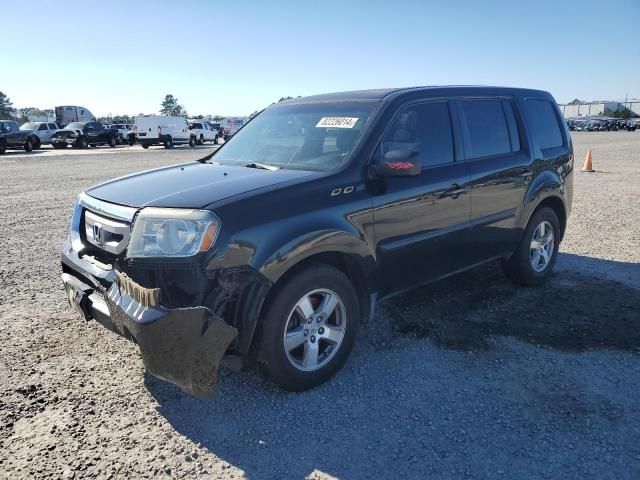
(3, 148)
(145, 146)
(535, 257)
(113, 142)
(308, 328)
(82, 143)
(192, 142)
(28, 146)
(37, 143)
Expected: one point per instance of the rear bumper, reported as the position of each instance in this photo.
(184, 346)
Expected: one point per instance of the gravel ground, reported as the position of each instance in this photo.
(468, 378)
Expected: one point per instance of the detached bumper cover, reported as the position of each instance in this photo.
(183, 346)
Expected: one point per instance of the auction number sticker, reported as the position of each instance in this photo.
(337, 122)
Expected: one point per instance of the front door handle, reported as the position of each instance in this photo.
(454, 192)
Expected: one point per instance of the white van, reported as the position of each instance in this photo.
(161, 130)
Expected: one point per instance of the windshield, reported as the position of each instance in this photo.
(75, 126)
(304, 136)
(197, 126)
(29, 126)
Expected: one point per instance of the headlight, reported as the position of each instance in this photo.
(172, 232)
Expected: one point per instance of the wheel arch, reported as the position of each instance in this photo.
(548, 190)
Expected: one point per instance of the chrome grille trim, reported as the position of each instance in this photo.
(119, 212)
(113, 235)
(112, 211)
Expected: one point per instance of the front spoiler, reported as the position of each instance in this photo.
(181, 345)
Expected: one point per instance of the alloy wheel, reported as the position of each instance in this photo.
(315, 330)
(542, 246)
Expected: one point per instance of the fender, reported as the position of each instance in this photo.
(546, 184)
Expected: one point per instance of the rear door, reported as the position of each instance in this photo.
(421, 222)
(500, 168)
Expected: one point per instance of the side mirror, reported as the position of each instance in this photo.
(398, 163)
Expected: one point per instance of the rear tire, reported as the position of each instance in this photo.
(113, 142)
(3, 148)
(301, 355)
(37, 143)
(82, 143)
(168, 142)
(192, 142)
(535, 257)
(28, 146)
(201, 140)
(145, 146)
(131, 142)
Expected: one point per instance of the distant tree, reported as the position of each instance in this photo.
(283, 99)
(624, 113)
(6, 108)
(218, 118)
(170, 107)
(575, 101)
(254, 114)
(199, 117)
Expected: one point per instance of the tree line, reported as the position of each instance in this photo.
(169, 106)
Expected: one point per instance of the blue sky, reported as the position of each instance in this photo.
(235, 56)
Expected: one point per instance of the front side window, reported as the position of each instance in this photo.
(487, 128)
(544, 123)
(425, 128)
(313, 136)
(43, 127)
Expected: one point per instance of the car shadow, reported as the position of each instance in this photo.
(393, 412)
(574, 310)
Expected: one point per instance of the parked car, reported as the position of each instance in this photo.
(11, 137)
(123, 130)
(203, 132)
(276, 247)
(161, 130)
(42, 130)
(83, 135)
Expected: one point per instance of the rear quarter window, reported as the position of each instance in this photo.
(544, 123)
(486, 127)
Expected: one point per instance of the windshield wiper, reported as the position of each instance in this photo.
(263, 166)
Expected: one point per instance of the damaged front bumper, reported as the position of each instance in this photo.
(184, 346)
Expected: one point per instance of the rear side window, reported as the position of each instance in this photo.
(425, 128)
(544, 123)
(487, 128)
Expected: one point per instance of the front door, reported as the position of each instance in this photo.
(421, 222)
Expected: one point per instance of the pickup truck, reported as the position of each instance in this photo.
(11, 137)
(84, 134)
(203, 132)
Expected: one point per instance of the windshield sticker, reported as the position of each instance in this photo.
(337, 122)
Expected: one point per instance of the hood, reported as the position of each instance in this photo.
(192, 185)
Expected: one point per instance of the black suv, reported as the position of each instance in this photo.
(276, 247)
(84, 134)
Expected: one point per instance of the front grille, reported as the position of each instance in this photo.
(101, 225)
(107, 234)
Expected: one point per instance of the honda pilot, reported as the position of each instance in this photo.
(274, 249)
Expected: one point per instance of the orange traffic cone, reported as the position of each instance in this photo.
(588, 163)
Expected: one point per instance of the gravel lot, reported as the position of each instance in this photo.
(468, 378)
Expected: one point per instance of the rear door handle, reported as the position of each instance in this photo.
(526, 172)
